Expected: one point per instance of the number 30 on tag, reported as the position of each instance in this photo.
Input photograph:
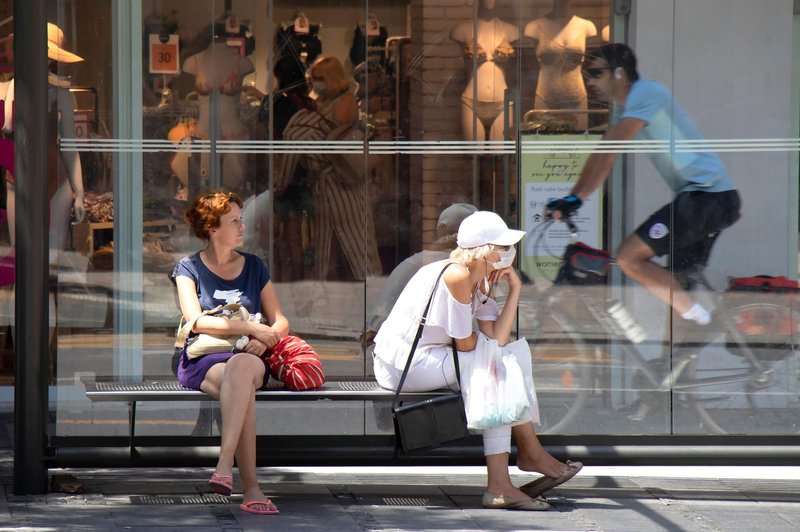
(164, 57)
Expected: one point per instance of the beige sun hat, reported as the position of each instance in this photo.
(55, 38)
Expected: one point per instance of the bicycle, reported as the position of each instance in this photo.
(747, 387)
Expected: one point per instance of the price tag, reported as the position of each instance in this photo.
(373, 27)
(164, 57)
(81, 125)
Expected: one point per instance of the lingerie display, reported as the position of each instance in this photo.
(303, 46)
(501, 55)
(560, 82)
(372, 45)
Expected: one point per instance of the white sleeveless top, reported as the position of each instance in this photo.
(447, 318)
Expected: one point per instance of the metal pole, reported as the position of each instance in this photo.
(31, 350)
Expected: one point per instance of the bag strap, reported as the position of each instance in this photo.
(396, 401)
(185, 327)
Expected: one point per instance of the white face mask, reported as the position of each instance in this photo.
(506, 258)
(483, 297)
(319, 86)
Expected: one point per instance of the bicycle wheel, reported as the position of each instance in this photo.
(562, 371)
(766, 402)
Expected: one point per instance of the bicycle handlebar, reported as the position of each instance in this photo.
(573, 229)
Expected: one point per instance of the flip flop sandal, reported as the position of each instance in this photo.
(222, 484)
(259, 507)
(541, 485)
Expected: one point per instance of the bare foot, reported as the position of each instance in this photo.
(255, 494)
(224, 469)
(540, 462)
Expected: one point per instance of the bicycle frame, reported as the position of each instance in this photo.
(680, 378)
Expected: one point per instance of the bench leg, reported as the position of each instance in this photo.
(131, 429)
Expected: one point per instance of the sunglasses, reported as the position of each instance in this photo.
(595, 73)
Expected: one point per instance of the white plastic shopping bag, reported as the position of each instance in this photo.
(520, 352)
(494, 385)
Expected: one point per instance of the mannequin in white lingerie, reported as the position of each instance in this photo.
(561, 43)
(220, 69)
(488, 40)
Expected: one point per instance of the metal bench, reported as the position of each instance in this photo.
(170, 390)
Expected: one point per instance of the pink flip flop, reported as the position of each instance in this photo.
(260, 507)
(222, 484)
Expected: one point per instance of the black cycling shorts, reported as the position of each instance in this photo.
(687, 228)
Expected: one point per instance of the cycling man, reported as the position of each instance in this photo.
(705, 201)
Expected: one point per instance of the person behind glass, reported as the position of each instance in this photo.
(218, 275)
(292, 96)
(706, 200)
(334, 90)
(484, 256)
(342, 212)
(446, 231)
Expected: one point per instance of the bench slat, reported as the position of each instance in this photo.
(173, 391)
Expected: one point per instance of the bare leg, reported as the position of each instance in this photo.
(633, 256)
(246, 457)
(234, 383)
(531, 456)
(499, 480)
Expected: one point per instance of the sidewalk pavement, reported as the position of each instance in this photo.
(414, 498)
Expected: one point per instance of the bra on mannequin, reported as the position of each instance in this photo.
(230, 87)
(501, 55)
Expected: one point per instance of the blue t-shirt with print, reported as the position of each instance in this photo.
(213, 290)
(665, 120)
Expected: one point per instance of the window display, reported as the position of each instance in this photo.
(347, 128)
(488, 47)
(561, 38)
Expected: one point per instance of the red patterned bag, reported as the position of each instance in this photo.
(296, 364)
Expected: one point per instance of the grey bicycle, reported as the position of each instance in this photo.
(582, 351)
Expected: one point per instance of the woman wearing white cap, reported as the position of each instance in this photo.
(483, 257)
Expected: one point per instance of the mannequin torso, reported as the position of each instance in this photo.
(486, 46)
(561, 43)
(491, 43)
(219, 68)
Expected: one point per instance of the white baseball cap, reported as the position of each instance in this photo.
(486, 227)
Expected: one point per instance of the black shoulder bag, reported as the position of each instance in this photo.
(428, 424)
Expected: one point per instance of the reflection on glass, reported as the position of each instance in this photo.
(446, 231)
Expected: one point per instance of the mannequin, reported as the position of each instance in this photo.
(561, 43)
(219, 69)
(65, 194)
(490, 42)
